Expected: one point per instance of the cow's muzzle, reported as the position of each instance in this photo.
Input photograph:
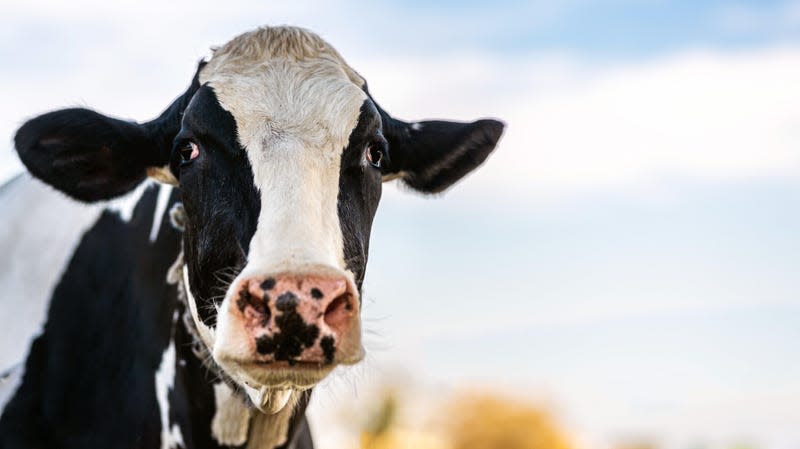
(289, 329)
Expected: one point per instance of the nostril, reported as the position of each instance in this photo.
(244, 300)
(338, 312)
(254, 306)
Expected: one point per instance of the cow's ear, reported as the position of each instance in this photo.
(430, 156)
(91, 157)
(87, 155)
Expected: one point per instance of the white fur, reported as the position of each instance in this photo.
(35, 279)
(295, 102)
(293, 117)
(232, 418)
(270, 431)
(125, 205)
(164, 192)
(206, 333)
(39, 234)
(171, 437)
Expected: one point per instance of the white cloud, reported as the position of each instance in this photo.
(572, 128)
(700, 115)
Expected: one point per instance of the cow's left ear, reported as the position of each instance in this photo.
(87, 155)
(430, 156)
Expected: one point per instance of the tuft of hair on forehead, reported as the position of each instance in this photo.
(286, 42)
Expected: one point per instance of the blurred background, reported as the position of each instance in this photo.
(622, 273)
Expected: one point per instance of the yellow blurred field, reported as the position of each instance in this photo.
(471, 420)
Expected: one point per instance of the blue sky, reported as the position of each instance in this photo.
(597, 30)
(615, 29)
(629, 254)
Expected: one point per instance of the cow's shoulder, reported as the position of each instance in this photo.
(39, 231)
(88, 376)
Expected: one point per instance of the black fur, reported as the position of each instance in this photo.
(90, 376)
(220, 198)
(359, 191)
(440, 153)
(432, 155)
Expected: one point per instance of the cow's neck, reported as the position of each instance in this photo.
(234, 422)
(213, 410)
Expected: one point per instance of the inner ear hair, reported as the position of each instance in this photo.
(162, 174)
(391, 176)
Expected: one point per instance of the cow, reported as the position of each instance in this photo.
(204, 315)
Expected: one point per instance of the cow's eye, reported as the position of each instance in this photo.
(374, 154)
(188, 151)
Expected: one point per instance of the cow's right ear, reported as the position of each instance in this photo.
(92, 157)
(88, 155)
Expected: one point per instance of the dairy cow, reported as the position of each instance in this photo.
(206, 317)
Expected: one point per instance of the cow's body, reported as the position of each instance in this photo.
(210, 326)
(114, 362)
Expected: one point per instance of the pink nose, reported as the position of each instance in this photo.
(294, 318)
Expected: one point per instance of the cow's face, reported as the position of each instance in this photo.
(279, 162)
(279, 153)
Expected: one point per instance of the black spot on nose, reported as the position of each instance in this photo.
(316, 293)
(290, 334)
(327, 344)
(265, 344)
(286, 302)
(268, 284)
(263, 309)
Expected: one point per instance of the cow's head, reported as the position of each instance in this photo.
(279, 153)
